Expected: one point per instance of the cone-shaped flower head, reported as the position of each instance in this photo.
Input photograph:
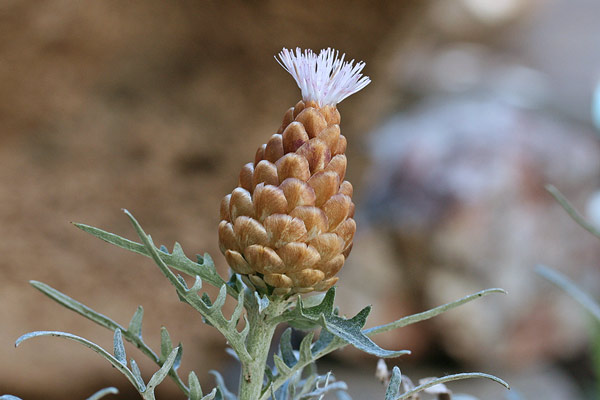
(288, 227)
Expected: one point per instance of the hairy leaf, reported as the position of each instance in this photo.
(166, 345)
(119, 348)
(195, 388)
(161, 374)
(137, 373)
(393, 390)
(177, 259)
(105, 354)
(135, 325)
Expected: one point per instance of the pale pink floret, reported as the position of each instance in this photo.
(324, 78)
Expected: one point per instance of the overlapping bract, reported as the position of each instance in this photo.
(288, 226)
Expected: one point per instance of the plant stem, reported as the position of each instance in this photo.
(258, 343)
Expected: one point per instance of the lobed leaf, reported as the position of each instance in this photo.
(105, 322)
(350, 330)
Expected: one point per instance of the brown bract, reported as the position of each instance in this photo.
(288, 226)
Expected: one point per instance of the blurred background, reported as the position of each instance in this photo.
(154, 106)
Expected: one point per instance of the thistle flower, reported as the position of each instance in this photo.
(288, 226)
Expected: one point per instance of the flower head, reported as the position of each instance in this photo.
(325, 78)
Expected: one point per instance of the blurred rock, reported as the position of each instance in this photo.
(458, 187)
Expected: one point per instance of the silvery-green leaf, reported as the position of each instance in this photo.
(211, 395)
(350, 330)
(177, 361)
(166, 346)
(119, 348)
(160, 375)
(325, 338)
(393, 390)
(137, 373)
(262, 301)
(76, 306)
(101, 393)
(107, 356)
(9, 397)
(204, 268)
(195, 388)
(220, 300)
(135, 325)
(282, 368)
(305, 354)
(285, 348)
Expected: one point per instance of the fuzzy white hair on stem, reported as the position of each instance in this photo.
(324, 78)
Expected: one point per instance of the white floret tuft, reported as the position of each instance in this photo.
(324, 78)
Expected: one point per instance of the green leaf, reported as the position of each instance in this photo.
(105, 354)
(411, 319)
(177, 259)
(137, 373)
(76, 306)
(449, 378)
(220, 300)
(324, 340)
(211, 395)
(166, 346)
(393, 389)
(119, 348)
(103, 321)
(101, 393)
(135, 325)
(307, 318)
(261, 301)
(285, 348)
(304, 351)
(282, 367)
(161, 374)
(350, 330)
(177, 361)
(195, 388)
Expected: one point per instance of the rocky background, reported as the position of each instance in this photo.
(153, 106)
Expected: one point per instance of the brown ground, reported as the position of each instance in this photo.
(153, 107)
